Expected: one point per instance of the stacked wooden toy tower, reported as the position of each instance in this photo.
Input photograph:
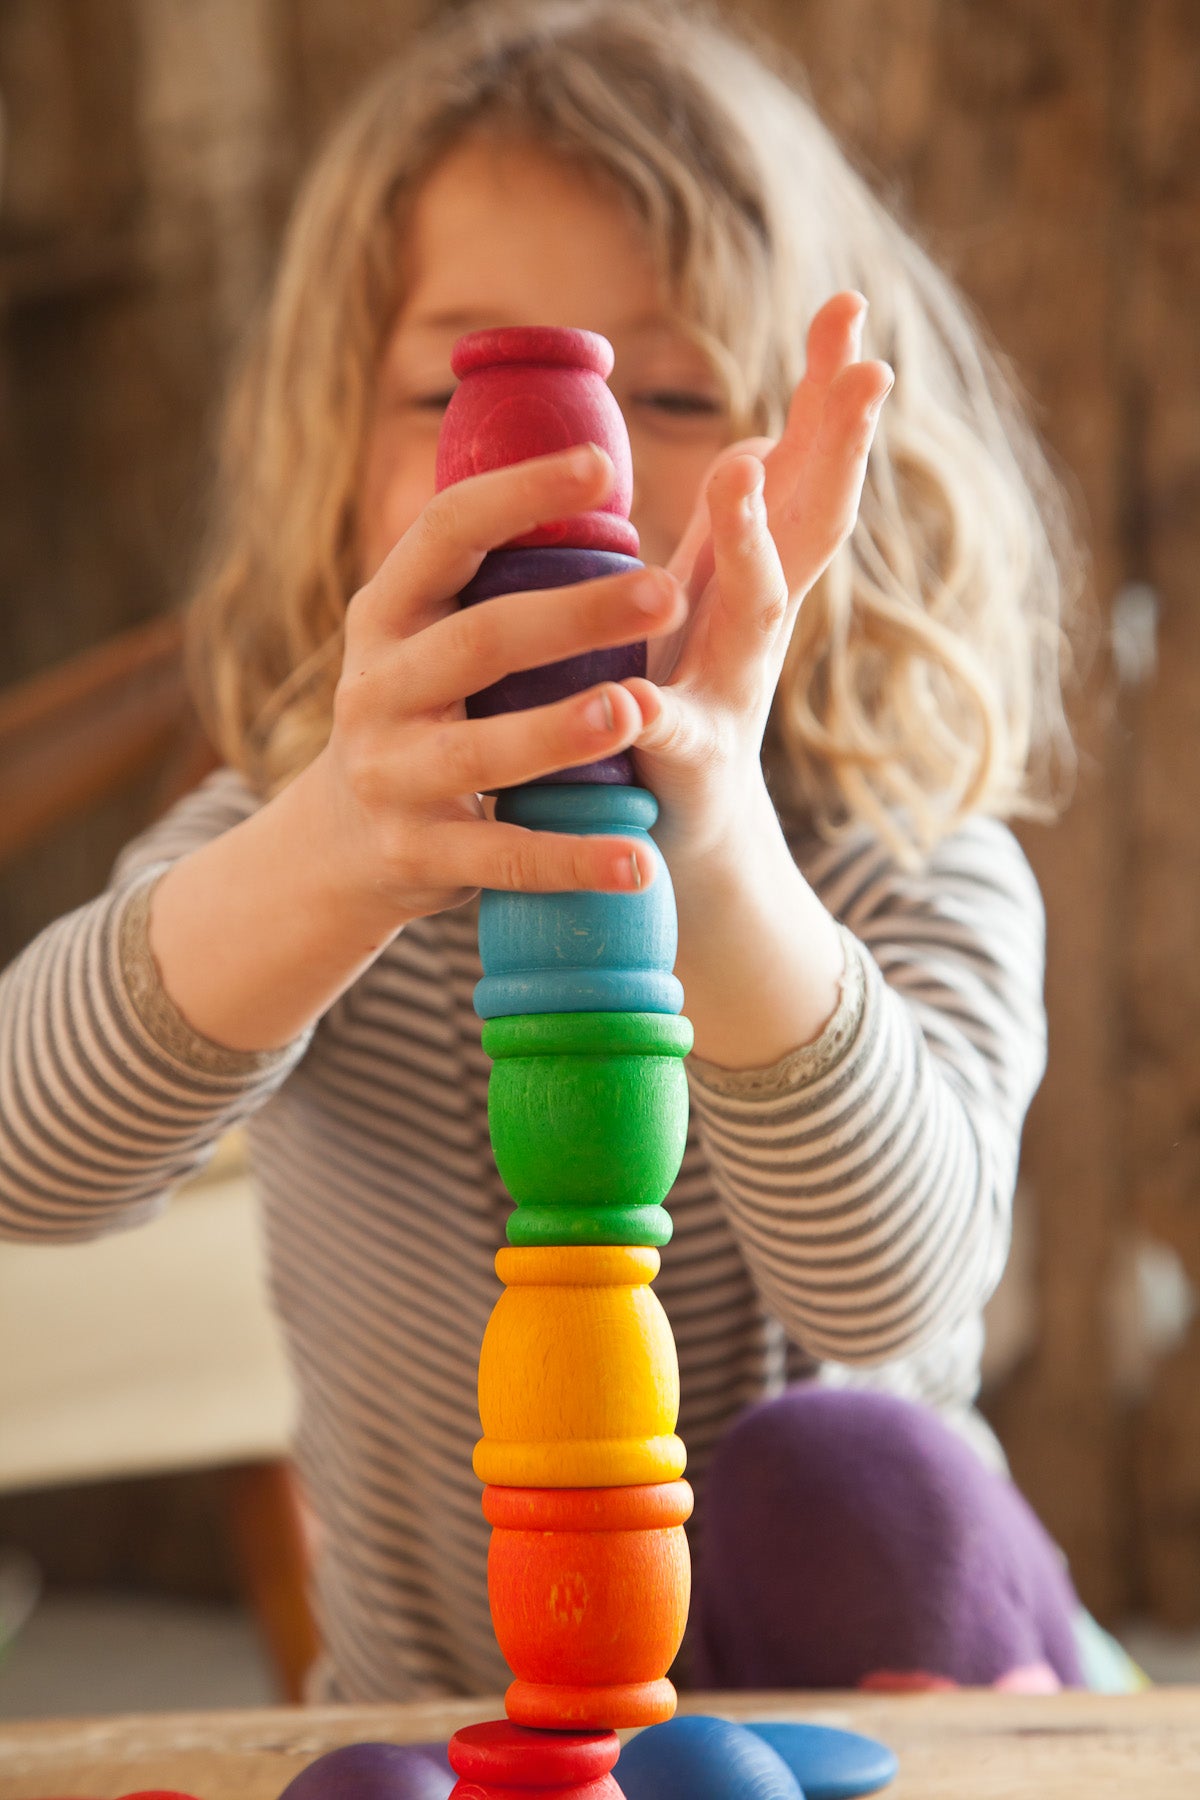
(588, 1570)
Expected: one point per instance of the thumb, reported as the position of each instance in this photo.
(668, 721)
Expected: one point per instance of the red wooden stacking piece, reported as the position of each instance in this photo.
(531, 392)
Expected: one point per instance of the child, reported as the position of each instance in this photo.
(860, 944)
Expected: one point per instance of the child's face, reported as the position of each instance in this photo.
(504, 235)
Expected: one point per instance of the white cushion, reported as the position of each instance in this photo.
(142, 1352)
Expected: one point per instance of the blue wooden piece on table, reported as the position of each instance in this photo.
(693, 1757)
(830, 1764)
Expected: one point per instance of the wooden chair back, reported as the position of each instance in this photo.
(74, 735)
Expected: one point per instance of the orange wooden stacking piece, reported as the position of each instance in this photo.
(589, 1594)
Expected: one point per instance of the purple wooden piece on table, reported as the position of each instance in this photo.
(511, 571)
(375, 1772)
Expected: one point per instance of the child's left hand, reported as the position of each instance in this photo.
(770, 518)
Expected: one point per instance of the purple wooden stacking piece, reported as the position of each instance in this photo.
(508, 571)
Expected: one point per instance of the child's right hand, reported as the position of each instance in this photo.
(403, 771)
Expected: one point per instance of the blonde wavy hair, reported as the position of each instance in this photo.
(923, 680)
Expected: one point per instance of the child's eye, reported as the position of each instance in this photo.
(675, 403)
(679, 402)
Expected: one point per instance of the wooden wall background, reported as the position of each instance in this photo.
(1050, 155)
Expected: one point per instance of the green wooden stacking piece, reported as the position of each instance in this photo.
(588, 1118)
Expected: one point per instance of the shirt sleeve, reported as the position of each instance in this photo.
(108, 1097)
(869, 1177)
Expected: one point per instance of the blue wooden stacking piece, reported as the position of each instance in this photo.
(580, 952)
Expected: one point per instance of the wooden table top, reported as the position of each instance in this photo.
(967, 1746)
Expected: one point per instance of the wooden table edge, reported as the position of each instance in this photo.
(966, 1744)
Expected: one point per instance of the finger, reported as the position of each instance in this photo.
(750, 582)
(443, 548)
(835, 336)
(808, 536)
(477, 756)
(735, 656)
(834, 342)
(510, 857)
(684, 564)
(478, 645)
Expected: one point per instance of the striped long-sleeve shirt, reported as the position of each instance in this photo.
(841, 1216)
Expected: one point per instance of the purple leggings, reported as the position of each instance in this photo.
(847, 1534)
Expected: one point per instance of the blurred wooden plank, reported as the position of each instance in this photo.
(70, 736)
(1162, 962)
(84, 266)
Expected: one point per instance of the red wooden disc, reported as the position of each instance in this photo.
(501, 1752)
(652, 1506)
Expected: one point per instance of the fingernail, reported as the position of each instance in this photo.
(859, 325)
(876, 406)
(635, 870)
(598, 713)
(583, 460)
(653, 594)
(754, 506)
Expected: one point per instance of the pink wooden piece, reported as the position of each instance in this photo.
(528, 391)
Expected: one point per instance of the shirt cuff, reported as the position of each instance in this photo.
(158, 1014)
(810, 1062)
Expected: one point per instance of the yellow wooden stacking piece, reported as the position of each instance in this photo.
(578, 1378)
